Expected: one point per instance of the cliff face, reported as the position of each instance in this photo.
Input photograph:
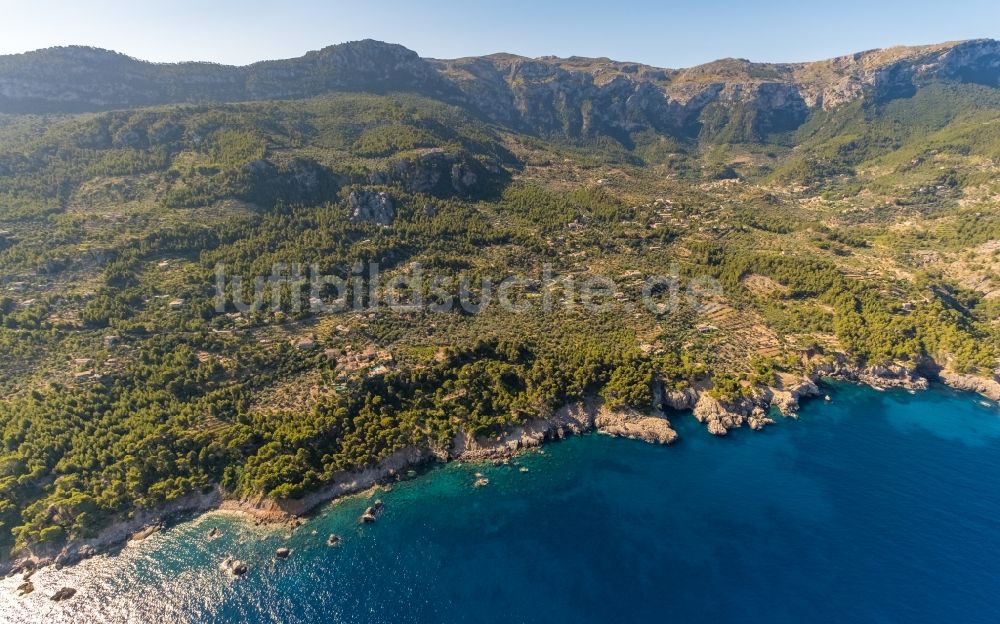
(583, 96)
(575, 97)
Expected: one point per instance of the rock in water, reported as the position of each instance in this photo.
(333, 540)
(63, 594)
(234, 566)
(758, 418)
(25, 588)
(373, 512)
(138, 536)
(282, 553)
(716, 428)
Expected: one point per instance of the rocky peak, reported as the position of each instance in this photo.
(357, 65)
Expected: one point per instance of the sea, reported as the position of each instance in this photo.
(871, 507)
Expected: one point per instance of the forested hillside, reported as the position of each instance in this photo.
(846, 211)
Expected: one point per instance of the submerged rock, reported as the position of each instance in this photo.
(63, 594)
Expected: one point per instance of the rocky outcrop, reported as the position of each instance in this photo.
(753, 410)
(786, 399)
(758, 419)
(73, 554)
(373, 206)
(989, 388)
(892, 376)
(915, 377)
(679, 400)
(441, 173)
(631, 424)
(572, 419)
(720, 417)
(145, 532)
(879, 376)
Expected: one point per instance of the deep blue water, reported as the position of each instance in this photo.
(875, 507)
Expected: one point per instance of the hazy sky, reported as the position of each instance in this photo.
(670, 34)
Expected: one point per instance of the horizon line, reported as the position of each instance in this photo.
(544, 57)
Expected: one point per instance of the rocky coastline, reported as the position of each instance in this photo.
(718, 416)
(573, 419)
(140, 525)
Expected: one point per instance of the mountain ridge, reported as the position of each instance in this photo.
(574, 96)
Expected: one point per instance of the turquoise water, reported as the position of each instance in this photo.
(876, 507)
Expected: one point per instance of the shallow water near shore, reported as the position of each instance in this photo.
(875, 507)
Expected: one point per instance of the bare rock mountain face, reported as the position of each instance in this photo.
(371, 205)
(574, 97)
(441, 173)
